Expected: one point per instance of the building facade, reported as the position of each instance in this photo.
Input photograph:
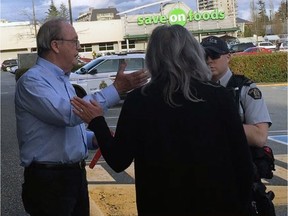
(110, 33)
(228, 6)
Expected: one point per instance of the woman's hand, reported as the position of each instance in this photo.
(85, 110)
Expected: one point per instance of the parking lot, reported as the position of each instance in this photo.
(111, 193)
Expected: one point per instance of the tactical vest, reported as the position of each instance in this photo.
(234, 85)
(263, 158)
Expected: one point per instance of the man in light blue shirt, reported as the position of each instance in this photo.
(52, 139)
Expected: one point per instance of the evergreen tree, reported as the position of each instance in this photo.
(64, 11)
(280, 19)
(262, 18)
(248, 31)
(52, 11)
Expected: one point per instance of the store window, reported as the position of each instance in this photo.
(131, 45)
(86, 48)
(106, 46)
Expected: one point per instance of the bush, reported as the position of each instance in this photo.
(265, 68)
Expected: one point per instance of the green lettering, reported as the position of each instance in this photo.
(148, 21)
(163, 19)
(221, 15)
(155, 19)
(197, 16)
(214, 15)
(179, 16)
(140, 20)
(206, 16)
(190, 16)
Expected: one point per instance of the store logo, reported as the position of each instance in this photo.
(179, 16)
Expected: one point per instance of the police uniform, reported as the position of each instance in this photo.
(252, 109)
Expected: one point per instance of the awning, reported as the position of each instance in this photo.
(271, 37)
(197, 32)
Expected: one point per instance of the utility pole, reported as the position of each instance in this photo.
(70, 11)
(34, 18)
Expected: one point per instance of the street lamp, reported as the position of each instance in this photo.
(34, 18)
(70, 11)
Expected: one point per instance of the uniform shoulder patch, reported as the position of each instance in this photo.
(255, 93)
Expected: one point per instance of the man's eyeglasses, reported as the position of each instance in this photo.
(76, 41)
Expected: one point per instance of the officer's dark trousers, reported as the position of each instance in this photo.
(55, 192)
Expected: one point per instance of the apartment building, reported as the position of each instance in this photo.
(228, 6)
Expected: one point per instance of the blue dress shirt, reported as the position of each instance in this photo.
(47, 129)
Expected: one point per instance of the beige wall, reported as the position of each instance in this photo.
(99, 31)
(20, 37)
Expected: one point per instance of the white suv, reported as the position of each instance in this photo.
(102, 71)
(267, 45)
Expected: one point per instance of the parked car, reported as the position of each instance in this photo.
(254, 51)
(7, 64)
(101, 72)
(13, 69)
(284, 46)
(83, 60)
(240, 47)
(267, 45)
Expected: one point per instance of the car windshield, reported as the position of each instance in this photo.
(84, 69)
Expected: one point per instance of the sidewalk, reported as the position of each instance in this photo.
(109, 198)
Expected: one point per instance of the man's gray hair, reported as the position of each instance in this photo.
(50, 30)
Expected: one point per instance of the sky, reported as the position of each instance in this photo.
(21, 10)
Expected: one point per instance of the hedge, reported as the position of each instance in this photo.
(261, 68)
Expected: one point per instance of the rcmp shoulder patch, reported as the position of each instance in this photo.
(255, 93)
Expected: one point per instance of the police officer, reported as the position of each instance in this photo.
(252, 109)
(253, 112)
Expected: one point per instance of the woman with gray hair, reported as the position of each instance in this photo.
(183, 133)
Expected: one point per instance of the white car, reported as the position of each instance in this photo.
(102, 71)
(284, 46)
(267, 45)
(12, 69)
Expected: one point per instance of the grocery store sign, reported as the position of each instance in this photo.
(180, 17)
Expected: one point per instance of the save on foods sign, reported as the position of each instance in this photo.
(180, 17)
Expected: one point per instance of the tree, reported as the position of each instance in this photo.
(52, 11)
(262, 18)
(248, 31)
(280, 19)
(64, 11)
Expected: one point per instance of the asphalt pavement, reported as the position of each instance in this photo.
(12, 172)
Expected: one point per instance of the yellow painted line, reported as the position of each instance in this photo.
(130, 171)
(280, 172)
(281, 157)
(280, 194)
(271, 84)
(98, 173)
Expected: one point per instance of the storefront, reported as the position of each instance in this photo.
(130, 32)
(200, 23)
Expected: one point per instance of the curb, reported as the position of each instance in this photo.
(271, 84)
